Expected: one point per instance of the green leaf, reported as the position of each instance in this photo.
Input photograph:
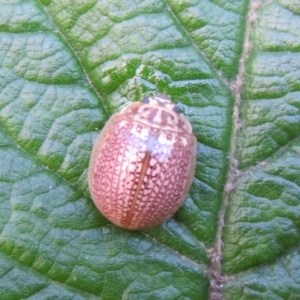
(232, 67)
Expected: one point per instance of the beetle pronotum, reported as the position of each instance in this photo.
(143, 163)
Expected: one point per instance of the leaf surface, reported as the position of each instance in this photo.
(232, 67)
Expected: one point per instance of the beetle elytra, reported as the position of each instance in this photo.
(143, 163)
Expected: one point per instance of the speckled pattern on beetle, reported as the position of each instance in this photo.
(143, 164)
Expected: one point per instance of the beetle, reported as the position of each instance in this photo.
(143, 163)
